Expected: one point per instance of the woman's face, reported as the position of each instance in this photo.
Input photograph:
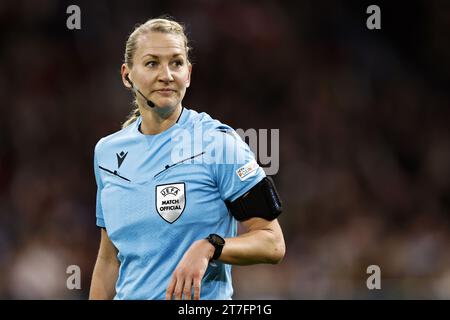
(160, 69)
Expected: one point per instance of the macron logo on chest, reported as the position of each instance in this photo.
(120, 157)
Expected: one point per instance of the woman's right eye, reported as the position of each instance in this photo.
(151, 64)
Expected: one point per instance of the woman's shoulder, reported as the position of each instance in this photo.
(118, 137)
(219, 134)
(207, 122)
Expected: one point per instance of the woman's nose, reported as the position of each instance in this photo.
(165, 74)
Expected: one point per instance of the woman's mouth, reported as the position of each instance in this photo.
(165, 92)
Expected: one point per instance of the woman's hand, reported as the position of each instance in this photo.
(190, 271)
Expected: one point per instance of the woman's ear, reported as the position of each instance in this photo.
(124, 71)
(188, 80)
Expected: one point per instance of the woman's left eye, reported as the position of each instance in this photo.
(178, 63)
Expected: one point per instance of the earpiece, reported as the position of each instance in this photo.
(149, 103)
(128, 80)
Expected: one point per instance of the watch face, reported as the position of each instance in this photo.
(218, 240)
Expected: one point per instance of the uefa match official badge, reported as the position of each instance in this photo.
(170, 201)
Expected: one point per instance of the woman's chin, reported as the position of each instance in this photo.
(166, 103)
(164, 108)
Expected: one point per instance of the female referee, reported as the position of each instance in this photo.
(169, 222)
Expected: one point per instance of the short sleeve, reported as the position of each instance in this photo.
(236, 170)
(98, 211)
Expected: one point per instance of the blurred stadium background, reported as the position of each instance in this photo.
(364, 130)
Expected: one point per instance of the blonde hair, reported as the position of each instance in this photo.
(163, 25)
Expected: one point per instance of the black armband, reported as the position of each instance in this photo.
(260, 201)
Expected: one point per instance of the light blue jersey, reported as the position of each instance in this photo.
(158, 194)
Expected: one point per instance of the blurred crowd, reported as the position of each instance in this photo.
(364, 136)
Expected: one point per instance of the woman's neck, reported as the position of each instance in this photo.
(153, 123)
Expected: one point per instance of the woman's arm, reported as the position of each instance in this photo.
(106, 270)
(263, 242)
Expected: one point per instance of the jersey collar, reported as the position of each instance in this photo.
(181, 120)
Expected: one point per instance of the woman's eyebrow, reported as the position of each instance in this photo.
(158, 56)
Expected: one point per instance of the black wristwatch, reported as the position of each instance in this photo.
(218, 242)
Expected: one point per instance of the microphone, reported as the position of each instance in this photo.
(149, 103)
